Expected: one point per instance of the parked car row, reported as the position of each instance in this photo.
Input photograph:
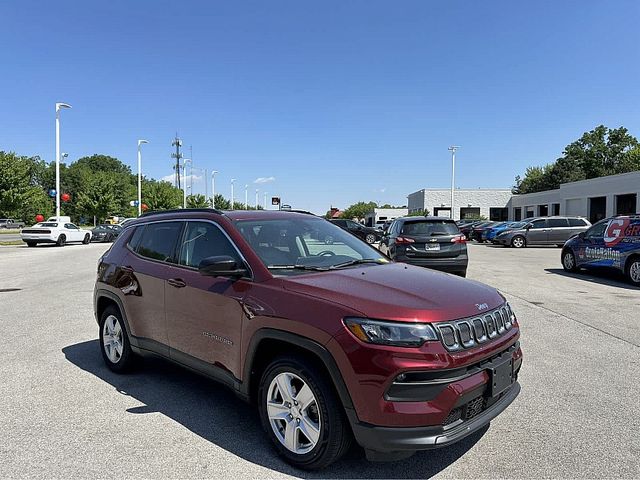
(60, 231)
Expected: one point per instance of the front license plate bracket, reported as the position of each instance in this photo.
(501, 377)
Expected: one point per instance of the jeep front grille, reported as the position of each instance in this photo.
(473, 331)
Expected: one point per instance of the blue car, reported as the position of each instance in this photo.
(610, 243)
(491, 233)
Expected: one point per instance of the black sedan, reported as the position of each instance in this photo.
(368, 234)
(105, 233)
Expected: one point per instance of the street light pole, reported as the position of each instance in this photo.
(453, 149)
(184, 177)
(58, 107)
(140, 142)
(213, 188)
(264, 205)
(233, 180)
(257, 190)
(246, 197)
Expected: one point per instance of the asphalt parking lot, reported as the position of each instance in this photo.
(65, 415)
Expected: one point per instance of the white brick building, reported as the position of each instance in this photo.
(488, 202)
(594, 199)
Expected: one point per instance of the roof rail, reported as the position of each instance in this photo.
(306, 212)
(183, 210)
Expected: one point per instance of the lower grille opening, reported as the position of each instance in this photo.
(466, 411)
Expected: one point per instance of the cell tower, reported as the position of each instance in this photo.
(177, 143)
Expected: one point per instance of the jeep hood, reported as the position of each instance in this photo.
(399, 292)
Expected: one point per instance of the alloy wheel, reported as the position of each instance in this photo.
(518, 242)
(293, 413)
(112, 339)
(568, 261)
(634, 271)
(370, 238)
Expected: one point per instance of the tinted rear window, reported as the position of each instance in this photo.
(430, 228)
(159, 241)
(577, 222)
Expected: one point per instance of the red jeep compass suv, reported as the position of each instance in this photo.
(330, 342)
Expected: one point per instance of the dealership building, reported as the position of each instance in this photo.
(593, 199)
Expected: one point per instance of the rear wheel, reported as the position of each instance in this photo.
(370, 238)
(62, 240)
(633, 270)
(114, 342)
(86, 239)
(518, 241)
(301, 414)
(569, 261)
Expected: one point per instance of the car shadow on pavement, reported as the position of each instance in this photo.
(603, 277)
(213, 412)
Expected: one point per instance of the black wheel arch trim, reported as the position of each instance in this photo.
(307, 344)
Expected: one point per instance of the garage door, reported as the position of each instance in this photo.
(574, 207)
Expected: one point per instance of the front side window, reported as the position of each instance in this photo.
(289, 246)
(159, 241)
(597, 230)
(202, 240)
(538, 224)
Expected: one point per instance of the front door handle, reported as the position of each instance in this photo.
(177, 282)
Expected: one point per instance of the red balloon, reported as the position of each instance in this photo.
(144, 206)
(65, 197)
(39, 218)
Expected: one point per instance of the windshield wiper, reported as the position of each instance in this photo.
(377, 261)
(297, 267)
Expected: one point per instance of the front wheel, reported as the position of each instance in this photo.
(569, 261)
(518, 241)
(86, 239)
(62, 241)
(302, 415)
(633, 270)
(370, 238)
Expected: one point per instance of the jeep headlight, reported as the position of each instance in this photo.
(390, 333)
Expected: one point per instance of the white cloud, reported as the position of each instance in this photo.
(189, 178)
(264, 180)
(381, 190)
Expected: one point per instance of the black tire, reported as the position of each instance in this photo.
(32, 244)
(86, 239)
(631, 270)
(370, 238)
(569, 261)
(127, 358)
(518, 242)
(62, 240)
(335, 437)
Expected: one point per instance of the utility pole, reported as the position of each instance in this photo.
(453, 149)
(177, 143)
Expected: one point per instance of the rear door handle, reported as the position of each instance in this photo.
(177, 282)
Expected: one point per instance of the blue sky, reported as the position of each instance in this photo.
(339, 101)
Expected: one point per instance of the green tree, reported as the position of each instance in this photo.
(100, 196)
(197, 201)
(222, 203)
(419, 213)
(359, 210)
(599, 152)
(160, 195)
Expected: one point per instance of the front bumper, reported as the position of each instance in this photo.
(392, 439)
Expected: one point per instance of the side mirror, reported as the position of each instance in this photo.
(221, 266)
(528, 226)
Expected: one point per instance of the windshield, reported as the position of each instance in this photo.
(430, 228)
(296, 244)
(517, 225)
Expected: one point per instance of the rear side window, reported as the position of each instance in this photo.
(159, 241)
(135, 238)
(577, 222)
(430, 228)
(558, 222)
(202, 240)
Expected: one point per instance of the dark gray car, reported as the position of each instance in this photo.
(543, 231)
(432, 242)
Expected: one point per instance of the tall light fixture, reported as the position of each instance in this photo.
(264, 205)
(246, 197)
(140, 142)
(233, 180)
(213, 188)
(453, 149)
(257, 190)
(59, 106)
